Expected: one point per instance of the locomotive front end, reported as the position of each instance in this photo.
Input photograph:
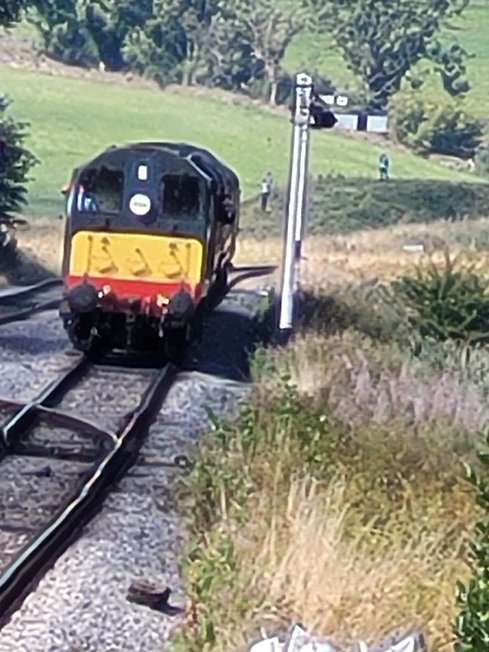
(135, 248)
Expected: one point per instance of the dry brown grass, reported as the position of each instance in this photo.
(374, 536)
(364, 255)
(370, 542)
(362, 383)
(331, 260)
(360, 584)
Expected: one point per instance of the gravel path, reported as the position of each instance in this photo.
(80, 604)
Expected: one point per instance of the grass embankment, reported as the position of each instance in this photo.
(338, 498)
(73, 119)
(341, 504)
(342, 205)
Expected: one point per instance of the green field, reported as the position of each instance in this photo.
(72, 119)
(310, 53)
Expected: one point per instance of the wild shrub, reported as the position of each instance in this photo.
(434, 127)
(15, 161)
(450, 302)
(472, 626)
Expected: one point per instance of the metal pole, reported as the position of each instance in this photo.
(298, 165)
(302, 189)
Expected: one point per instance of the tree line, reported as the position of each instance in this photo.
(241, 44)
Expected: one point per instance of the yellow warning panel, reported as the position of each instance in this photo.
(128, 256)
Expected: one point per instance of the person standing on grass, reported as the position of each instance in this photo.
(265, 194)
(269, 179)
(384, 167)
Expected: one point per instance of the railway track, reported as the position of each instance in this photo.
(18, 303)
(50, 448)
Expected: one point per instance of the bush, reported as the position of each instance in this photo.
(15, 161)
(447, 303)
(339, 205)
(433, 127)
(472, 627)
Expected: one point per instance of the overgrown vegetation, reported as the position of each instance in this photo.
(472, 628)
(447, 303)
(345, 469)
(342, 205)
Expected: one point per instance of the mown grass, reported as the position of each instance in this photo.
(72, 119)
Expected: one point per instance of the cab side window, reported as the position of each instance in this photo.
(181, 196)
(100, 191)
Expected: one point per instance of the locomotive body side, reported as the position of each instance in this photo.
(150, 230)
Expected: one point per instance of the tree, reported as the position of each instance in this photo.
(110, 22)
(382, 40)
(10, 11)
(189, 41)
(15, 161)
(270, 28)
(434, 125)
(88, 32)
(156, 49)
(63, 27)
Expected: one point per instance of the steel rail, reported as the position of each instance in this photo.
(25, 313)
(27, 416)
(14, 292)
(15, 299)
(20, 577)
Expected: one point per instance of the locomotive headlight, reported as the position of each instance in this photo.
(181, 305)
(82, 298)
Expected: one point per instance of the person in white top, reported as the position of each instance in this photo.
(265, 194)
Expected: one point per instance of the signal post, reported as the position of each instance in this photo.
(308, 111)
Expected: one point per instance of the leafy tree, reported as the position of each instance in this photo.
(63, 27)
(156, 49)
(10, 11)
(190, 41)
(110, 22)
(189, 29)
(88, 32)
(434, 126)
(270, 28)
(15, 161)
(382, 40)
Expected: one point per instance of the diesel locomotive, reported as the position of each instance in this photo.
(150, 232)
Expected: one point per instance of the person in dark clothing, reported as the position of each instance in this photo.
(384, 167)
(265, 194)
